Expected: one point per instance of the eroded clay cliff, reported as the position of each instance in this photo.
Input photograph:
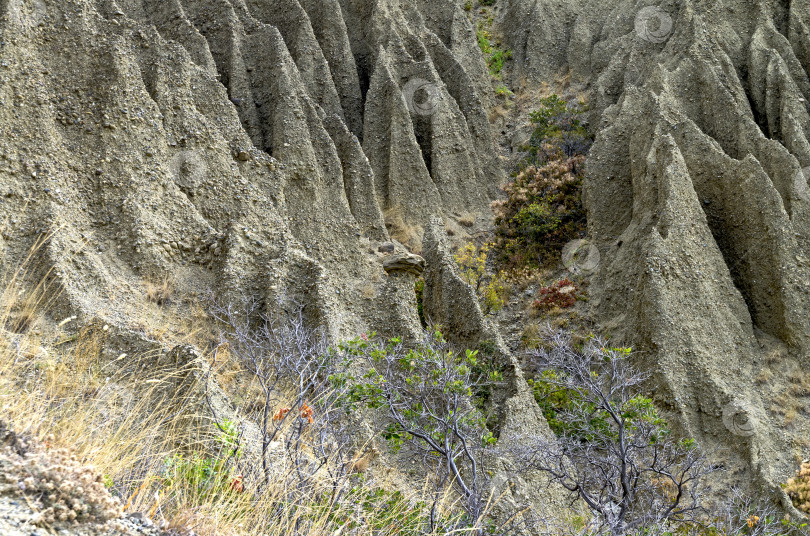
(253, 148)
(697, 197)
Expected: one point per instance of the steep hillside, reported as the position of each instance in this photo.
(162, 156)
(250, 148)
(697, 197)
(304, 152)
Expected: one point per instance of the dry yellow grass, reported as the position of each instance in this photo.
(398, 229)
(120, 416)
(368, 290)
(160, 292)
(467, 220)
(764, 376)
(532, 337)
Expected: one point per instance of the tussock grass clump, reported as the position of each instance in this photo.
(400, 230)
(159, 293)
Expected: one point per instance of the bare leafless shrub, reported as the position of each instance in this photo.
(739, 513)
(294, 368)
(613, 450)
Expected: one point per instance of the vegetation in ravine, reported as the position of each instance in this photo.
(543, 207)
(490, 288)
(494, 55)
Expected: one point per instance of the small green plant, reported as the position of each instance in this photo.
(468, 5)
(503, 91)
(419, 290)
(206, 475)
(228, 438)
(496, 60)
(592, 421)
(490, 289)
(495, 56)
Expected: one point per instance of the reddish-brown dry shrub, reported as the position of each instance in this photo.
(562, 294)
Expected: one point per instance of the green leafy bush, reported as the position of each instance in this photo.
(613, 450)
(558, 124)
(542, 212)
(426, 395)
(537, 220)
